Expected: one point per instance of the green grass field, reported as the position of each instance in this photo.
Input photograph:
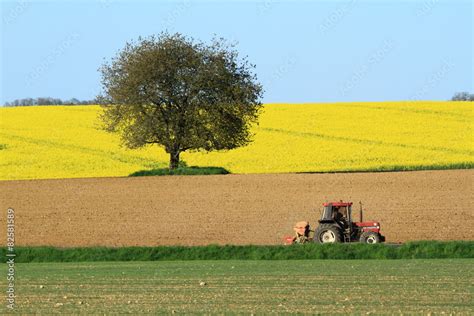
(306, 286)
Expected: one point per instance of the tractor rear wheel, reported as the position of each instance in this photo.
(370, 238)
(327, 233)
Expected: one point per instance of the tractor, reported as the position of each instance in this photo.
(336, 225)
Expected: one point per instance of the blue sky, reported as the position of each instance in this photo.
(305, 51)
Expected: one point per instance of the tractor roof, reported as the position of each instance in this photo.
(338, 204)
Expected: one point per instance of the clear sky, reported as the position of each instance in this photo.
(305, 51)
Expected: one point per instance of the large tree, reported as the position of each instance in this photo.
(181, 94)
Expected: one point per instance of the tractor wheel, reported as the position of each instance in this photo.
(327, 233)
(370, 238)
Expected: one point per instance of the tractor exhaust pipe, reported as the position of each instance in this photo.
(360, 212)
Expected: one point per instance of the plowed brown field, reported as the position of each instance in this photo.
(232, 209)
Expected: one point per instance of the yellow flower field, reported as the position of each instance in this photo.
(66, 142)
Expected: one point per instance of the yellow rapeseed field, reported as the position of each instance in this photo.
(66, 141)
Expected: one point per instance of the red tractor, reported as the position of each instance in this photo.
(336, 225)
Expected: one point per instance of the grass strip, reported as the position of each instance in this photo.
(398, 168)
(411, 250)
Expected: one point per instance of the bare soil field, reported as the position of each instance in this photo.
(232, 209)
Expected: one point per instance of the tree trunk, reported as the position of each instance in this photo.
(174, 160)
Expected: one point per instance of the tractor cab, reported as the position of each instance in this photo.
(336, 225)
(337, 212)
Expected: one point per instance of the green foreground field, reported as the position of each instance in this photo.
(306, 286)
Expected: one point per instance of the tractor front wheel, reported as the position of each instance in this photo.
(327, 233)
(370, 238)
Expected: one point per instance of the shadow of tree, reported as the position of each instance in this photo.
(189, 171)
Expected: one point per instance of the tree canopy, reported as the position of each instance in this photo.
(181, 94)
